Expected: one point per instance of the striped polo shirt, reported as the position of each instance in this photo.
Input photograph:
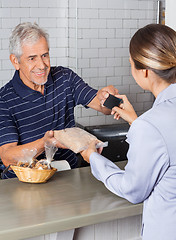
(26, 114)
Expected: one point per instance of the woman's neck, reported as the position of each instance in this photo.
(160, 88)
(157, 84)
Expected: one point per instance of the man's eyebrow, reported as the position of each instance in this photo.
(36, 55)
(32, 56)
(45, 53)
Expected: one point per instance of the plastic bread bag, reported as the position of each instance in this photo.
(46, 163)
(76, 139)
(27, 158)
(49, 152)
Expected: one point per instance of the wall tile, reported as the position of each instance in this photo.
(38, 12)
(130, 23)
(131, 4)
(6, 64)
(84, 63)
(83, 23)
(48, 22)
(10, 3)
(106, 33)
(114, 23)
(97, 120)
(5, 12)
(62, 42)
(46, 3)
(98, 43)
(135, 89)
(5, 43)
(89, 33)
(106, 52)
(90, 53)
(4, 54)
(140, 14)
(114, 62)
(114, 4)
(122, 71)
(62, 22)
(84, 121)
(98, 23)
(86, 112)
(114, 43)
(144, 97)
(99, 53)
(148, 5)
(87, 13)
(29, 3)
(84, 4)
(106, 14)
(99, 4)
(106, 72)
(10, 22)
(29, 19)
(116, 81)
(55, 12)
(122, 14)
(20, 12)
(98, 62)
(90, 72)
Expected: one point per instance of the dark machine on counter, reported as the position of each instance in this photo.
(116, 137)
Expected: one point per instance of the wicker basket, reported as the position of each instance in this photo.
(33, 175)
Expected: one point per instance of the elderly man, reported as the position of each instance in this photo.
(40, 98)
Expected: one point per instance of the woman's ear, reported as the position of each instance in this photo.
(14, 61)
(145, 73)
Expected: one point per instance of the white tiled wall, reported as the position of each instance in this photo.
(89, 36)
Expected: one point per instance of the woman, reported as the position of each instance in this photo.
(150, 174)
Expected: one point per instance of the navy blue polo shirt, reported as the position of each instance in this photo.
(26, 114)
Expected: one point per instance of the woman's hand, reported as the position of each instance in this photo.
(92, 148)
(125, 110)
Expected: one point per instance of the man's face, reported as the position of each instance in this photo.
(34, 65)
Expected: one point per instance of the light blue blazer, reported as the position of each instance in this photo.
(150, 174)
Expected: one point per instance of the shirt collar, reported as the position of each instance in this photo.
(24, 91)
(50, 79)
(167, 94)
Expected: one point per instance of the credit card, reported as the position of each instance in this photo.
(112, 101)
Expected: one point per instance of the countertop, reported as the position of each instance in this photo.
(70, 199)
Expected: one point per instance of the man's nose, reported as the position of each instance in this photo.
(40, 63)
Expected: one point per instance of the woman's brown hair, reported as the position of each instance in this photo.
(154, 47)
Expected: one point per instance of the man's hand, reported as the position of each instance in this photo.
(98, 101)
(50, 140)
(103, 93)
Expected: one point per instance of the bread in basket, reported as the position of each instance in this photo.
(33, 175)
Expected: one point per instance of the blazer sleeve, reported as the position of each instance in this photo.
(148, 160)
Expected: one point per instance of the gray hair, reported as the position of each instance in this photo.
(25, 33)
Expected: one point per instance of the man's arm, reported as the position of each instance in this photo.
(10, 153)
(98, 101)
(96, 105)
